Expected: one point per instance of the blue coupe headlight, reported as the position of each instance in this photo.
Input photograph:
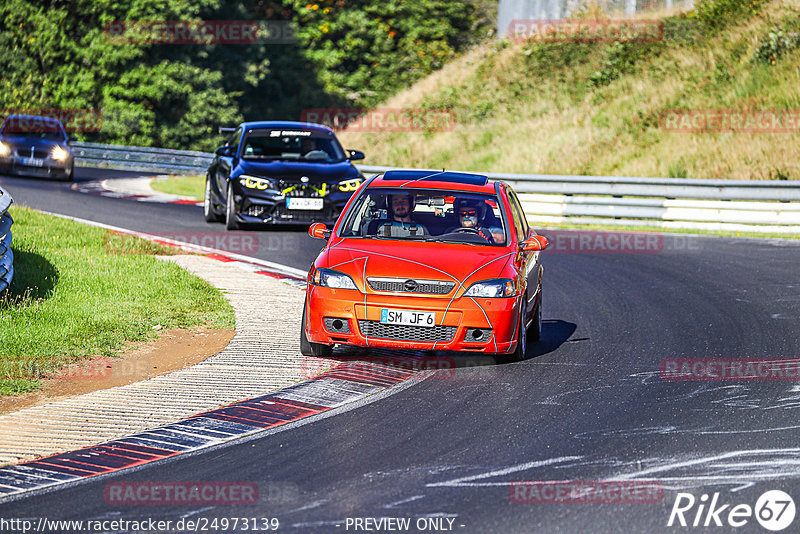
(255, 182)
(348, 186)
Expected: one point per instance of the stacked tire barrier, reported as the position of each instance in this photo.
(6, 255)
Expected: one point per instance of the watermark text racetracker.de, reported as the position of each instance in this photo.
(381, 119)
(729, 369)
(199, 493)
(389, 366)
(238, 242)
(585, 31)
(94, 369)
(200, 32)
(74, 120)
(586, 492)
(596, 242)
(731, 121)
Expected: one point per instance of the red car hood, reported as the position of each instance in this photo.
(410, 259)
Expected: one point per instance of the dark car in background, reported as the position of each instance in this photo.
(280, 172)
(36, 146)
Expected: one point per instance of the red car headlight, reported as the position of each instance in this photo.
(497, 288)
(332, 279)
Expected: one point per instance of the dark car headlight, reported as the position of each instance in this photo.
(332, 279)
(59, 154)
(256, 182)
(497, 288)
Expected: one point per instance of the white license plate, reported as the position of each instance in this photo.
(408, 317)
(304, 203)
(33, 162)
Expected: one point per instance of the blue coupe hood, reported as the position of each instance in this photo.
(316, 172)
(23, 142)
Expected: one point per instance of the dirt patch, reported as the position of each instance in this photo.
(174, 349)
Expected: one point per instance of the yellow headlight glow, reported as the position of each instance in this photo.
(349, 185)
(255, 183)
(58, 153)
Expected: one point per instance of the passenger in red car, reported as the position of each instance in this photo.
(401, 223)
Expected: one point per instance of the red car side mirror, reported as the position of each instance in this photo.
(319, 231)
(536, 242)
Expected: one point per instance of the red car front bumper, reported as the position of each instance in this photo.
(457, 322)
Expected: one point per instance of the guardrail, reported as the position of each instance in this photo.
(729, 205)
(679, 203)
(6, 254)
(144, 159)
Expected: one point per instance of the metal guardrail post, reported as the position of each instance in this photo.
(6, 254)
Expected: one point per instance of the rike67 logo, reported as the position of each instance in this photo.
(774, 510)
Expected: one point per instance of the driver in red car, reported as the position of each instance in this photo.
(472, 214)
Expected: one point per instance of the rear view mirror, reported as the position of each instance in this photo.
(536, 242)
(224, 151)
(319, 231)
(436, 201)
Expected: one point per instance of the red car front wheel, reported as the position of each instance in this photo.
(308, 348)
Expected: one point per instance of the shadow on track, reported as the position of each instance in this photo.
(555, 333)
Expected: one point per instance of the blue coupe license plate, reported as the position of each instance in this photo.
(408, 317)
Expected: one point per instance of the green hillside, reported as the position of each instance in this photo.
(604, 109)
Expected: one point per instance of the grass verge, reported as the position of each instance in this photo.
(185, 186)
(80, 291)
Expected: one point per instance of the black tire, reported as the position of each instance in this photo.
(522, 340)
(230, 211)
(209, 213)
(69, 173)
(535, 330)
(312, 349)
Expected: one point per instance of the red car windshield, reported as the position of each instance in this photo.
(446, 216)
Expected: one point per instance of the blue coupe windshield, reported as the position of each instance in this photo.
(297, 145)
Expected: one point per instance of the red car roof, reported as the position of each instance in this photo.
(472, 183)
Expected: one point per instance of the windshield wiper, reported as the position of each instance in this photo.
(433, 239)
(271, 157)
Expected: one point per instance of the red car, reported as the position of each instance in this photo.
(428, 261)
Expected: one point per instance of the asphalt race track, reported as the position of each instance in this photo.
(294, 247)
(588, 404)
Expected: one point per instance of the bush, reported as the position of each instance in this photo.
(714, 14)
(774, 45)
(349, 53)
(619, 59)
